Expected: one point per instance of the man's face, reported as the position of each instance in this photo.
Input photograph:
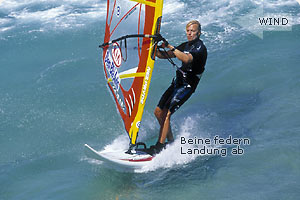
(192, 32)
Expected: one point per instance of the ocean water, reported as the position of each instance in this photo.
(53, 100)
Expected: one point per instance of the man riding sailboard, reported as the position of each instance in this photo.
(193, 55)
(132, 35)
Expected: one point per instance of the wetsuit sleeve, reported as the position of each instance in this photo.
(199, 59)
(181, 47)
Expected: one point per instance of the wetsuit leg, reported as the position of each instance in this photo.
(164, 102)
(180, 95)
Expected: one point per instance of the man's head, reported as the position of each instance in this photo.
(193, 30)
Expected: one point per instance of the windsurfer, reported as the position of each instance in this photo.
(192, 54)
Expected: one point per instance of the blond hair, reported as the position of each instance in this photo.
(194, 22)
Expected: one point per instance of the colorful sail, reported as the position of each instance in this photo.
(129, 55)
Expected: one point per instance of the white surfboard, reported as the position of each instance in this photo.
(120, 158)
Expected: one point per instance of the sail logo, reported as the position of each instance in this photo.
(116, 54)
(138, 124)
(128, 14)
(118, 11)
(145, 85)
(112, 70)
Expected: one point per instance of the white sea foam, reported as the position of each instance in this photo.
(3, 29)
(44, 16)
(4, 21)
(279, 3)
(216, 17)
(172, 156)
(120, 142)
(51, 14)
(172, 7)
(65, 14)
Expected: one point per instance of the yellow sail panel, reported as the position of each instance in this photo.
(147, 79)
(132, 75)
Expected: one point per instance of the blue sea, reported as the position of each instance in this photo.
(54, 99)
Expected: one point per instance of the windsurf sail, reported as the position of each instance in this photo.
(129, 55)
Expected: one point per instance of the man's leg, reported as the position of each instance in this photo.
(166, 128)
(161, 116)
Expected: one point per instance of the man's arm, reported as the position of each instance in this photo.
(185, 58)
(162, 54)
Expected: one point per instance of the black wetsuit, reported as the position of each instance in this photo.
(187, 76)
